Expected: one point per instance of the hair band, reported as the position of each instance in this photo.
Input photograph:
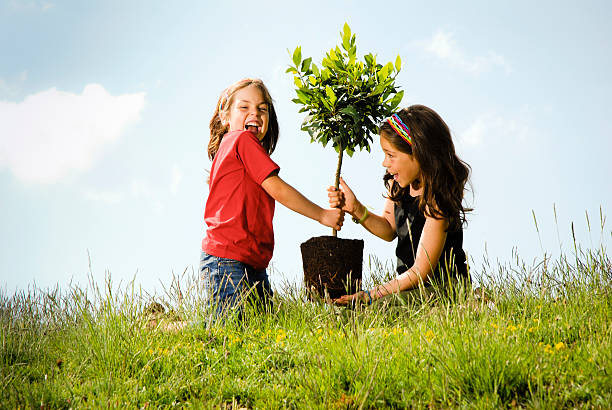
(400, 128)
(223, 99)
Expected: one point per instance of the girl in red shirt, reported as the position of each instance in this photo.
(244, 185)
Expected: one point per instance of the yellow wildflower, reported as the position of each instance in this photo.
(560, 346)
(429, 335)
(512, 328)
(494, 326)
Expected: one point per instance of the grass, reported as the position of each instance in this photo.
(543, 340)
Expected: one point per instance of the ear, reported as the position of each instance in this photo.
(224, 118)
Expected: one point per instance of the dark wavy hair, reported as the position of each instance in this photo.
(444, 175)
(226, 99)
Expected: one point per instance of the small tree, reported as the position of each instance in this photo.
(346, 98)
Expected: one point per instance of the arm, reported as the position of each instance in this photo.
(381, 226)
(292, 199)
(428, 253)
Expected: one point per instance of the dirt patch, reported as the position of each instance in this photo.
(332, 263)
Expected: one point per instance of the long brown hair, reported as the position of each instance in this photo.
(226, 99)
(444, 175)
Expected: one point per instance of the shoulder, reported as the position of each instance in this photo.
(234, 137)
(432, 219)
(245, 136)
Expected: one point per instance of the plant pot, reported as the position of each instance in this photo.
(332, 265)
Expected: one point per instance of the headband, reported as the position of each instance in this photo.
(399, 127)
(223, 98)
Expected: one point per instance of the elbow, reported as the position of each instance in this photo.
(388, 235)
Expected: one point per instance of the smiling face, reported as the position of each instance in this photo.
(249, 111)
(404, 167)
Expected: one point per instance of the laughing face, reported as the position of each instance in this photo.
(249, 111)
(404, 167)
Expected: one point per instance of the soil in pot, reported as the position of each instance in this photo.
(334, 264)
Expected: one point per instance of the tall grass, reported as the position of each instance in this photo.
(541, 338)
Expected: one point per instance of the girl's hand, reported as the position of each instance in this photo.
(333, 218)
(344, 198)
(351, 299)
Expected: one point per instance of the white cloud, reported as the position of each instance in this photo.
(52, 134)
(140, 188)
(444, 46)
(489, 127)
(103, 196)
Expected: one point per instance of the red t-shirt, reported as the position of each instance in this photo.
(238, 210)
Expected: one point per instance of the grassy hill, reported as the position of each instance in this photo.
(542, 339)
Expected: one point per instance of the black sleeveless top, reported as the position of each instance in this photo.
(409, 223)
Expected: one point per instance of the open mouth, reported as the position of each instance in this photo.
(254, 128)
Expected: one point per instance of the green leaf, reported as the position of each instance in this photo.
(326, 104)
(304, 98)
(396, 100)
(398, 63)
(306, 64)
(383, 73)
(297, 56)
(350, 110)
(346, 39)
(330, 94)
(346, 35)
(291, 70)
(315, 70)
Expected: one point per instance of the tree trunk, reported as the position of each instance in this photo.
(337, 183)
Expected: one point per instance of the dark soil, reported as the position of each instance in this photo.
(334, 264)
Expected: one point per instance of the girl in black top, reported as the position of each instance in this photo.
(424, 209)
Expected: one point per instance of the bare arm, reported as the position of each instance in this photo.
(294, 200)
(428, 253)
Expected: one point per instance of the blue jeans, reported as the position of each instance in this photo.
(229, 282)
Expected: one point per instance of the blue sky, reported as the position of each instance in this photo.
(104, 111)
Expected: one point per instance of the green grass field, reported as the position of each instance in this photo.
(542, 341)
